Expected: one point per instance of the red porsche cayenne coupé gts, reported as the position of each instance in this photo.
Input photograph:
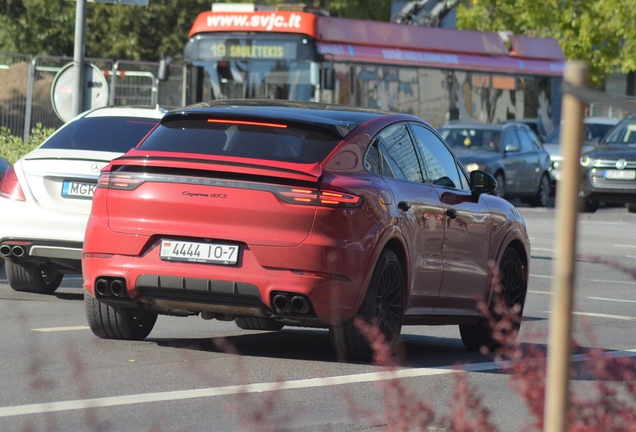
(275, 213)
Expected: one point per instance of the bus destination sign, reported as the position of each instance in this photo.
(234, 49)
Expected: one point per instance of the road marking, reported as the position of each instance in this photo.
(596, 315)
(630, 256)
(12, 411)
(540, 292)
(541, 249)
(609, 281)
(622, 245)
(54, 329)
(614, 300)
(542, 276)
(600, 222)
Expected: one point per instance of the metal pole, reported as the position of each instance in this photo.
(78, 56)
(560, 343)
(29, 106)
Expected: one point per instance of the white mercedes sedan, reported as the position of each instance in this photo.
(46, 195)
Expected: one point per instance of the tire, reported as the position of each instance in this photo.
(588, 206)
(383, 302)
(114, 322)
(631, 207)
(543, 193)
(35, 279)
(257, 323)
(513, 292)
(501, 185)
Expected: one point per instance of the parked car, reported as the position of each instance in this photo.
(46, 196)
(4, 165)
(510, 152)
(536, 124)
(609, 170)
(595, 129)
(275, 213)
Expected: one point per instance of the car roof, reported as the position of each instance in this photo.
(126, 111)
(340, 118)
(465, 124)
(601, 120)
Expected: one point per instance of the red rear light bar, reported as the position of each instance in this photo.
(288, 194)
(249, 123)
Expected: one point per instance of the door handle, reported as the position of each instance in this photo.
(404, 205)
(452, 213)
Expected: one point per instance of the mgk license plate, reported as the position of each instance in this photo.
(214, 253)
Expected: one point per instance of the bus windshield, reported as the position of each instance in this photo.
(242, 66)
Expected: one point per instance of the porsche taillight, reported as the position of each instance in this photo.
(122, 181)
(10, 186)
(310, 196)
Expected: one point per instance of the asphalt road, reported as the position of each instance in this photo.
(192, 375)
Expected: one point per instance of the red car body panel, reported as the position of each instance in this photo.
(324, 253)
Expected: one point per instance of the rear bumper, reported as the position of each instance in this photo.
(65, 254)
(246, 289)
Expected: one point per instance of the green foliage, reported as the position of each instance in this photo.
(601, 32)
(13, 148)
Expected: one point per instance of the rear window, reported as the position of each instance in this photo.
(111, 134)
(472, 138)
(234, 139)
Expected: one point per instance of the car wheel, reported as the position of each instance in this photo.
(631, 207)
(383, 304)
(513, 292)
(257, 323)
(35, 279)
(543, 193)
(501, 185)
(115, 322)
(588, 206)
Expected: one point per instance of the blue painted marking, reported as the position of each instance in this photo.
(521, 64)
(352, 53)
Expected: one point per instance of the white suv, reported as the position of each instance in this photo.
(46, 196)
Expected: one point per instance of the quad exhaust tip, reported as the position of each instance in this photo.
(8, 250)
(291, 303)
(109, 287)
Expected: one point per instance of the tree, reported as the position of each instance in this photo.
(600, 32)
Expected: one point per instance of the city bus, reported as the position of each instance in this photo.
(438, 74)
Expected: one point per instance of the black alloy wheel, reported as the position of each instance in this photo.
(587, 206)
(543, 193)
(513, 292)
(383, 305)
(33, 278)
(115, 322)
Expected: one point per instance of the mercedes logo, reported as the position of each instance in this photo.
(96, 167)
(621, 164)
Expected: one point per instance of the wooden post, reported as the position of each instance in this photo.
(567, 206)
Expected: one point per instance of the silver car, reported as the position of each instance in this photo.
(595, 129)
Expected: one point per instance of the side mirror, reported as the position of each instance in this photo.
(595, 142)
(481, 182)
(329, 79)
(512, 148)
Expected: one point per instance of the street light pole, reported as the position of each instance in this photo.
(78, 56)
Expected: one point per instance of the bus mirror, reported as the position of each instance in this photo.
(164, 69)
(314, 73)
(329, 79)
